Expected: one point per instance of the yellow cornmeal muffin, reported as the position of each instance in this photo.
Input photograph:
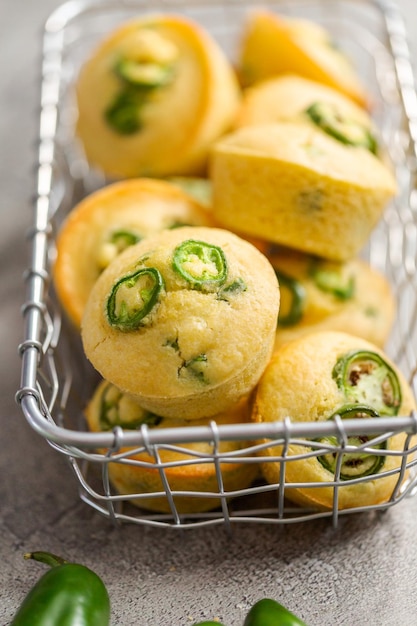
(322, 295)
(312, 379)
(152, 98)
(108, 221)
(109, 408)
(184, 320)
(294, 185)
(274, 44)
(291, 97)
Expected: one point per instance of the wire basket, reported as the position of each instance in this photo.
(57, 381)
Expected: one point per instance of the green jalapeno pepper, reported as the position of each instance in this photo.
(139, 80)
(366, 378)
(268, 612)
(116, 409)
(123, 238)
(297, 303)
(69, 594)
(330, 279)
(114, 243)
(227, 292)
(201, 264)
(140, 74)
(133, 297)
(354, 464)
(348, 131)
(123, 113)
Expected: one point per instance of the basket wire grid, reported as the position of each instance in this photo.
(56, 380)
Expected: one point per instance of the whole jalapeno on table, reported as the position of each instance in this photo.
(268, 612)
(69, 594)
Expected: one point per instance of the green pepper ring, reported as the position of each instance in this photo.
(327, 281)
(342, 370)
(205, 252)
(346, 412)
(319, 119)
(108, 424)
(132, 323)
(298, 296)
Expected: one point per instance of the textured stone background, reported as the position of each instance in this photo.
(364, 572)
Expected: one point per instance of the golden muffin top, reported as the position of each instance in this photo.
(181, 312)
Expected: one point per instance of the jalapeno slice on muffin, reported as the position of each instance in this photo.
(333, 280)
(327, 117)
(139, 74)
(147, 66)
(133, 297)
(365, 377)
(114, 244)
(117, 409)
(297, 293)
(354, 464)
(201, 264)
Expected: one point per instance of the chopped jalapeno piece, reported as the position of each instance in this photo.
(236, 287)
(332, 280)
(133, 297)
(117, 409)
(297, 295)
(354, 464)
(195, 367)
(123, 112)
(335, 124)
(365, 377)
(201, 264)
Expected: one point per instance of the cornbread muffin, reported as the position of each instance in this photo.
(294, 185)
(324, 295)
(153, 97)
(108, 221)
(291, 97)
(315, 377)
(109, 408)
(200, 189)
(273, 44)
(184, 320)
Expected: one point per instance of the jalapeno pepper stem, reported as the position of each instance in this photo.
(45, 557)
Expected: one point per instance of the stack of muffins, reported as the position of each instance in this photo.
(217, 277)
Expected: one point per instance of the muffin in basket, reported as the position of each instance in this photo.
(108, 221)
(313, 379)
(185, 468)
(324, 295)
(274, 44)
(295, 185)
(184, 320)
(152, 98)
(291, 97)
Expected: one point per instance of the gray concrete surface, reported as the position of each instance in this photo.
(365, 572)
